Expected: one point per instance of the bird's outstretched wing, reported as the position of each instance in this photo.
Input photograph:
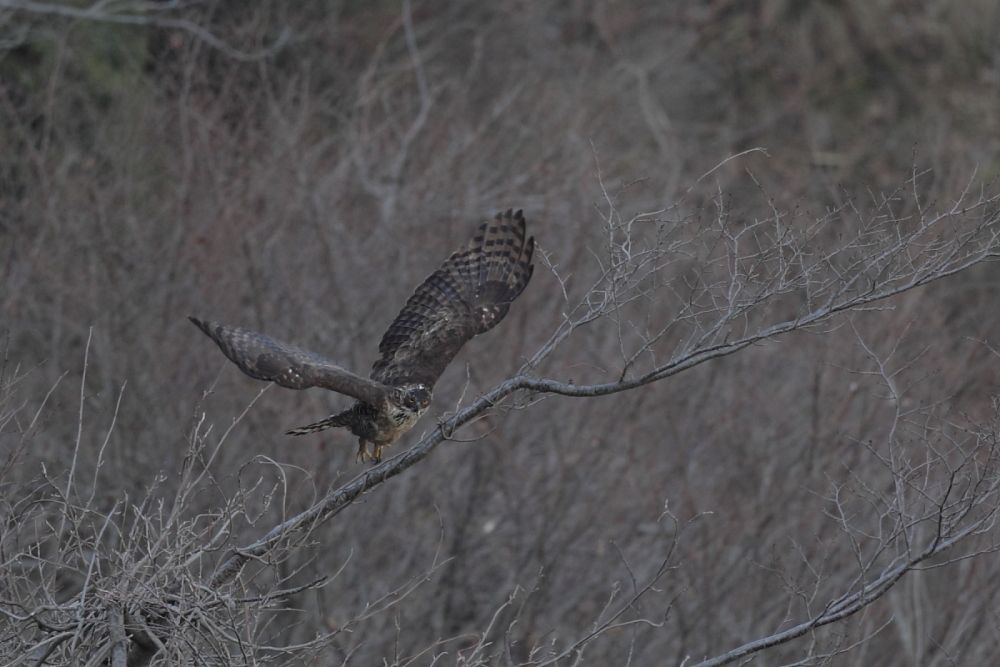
(265, 358)
(467, 296)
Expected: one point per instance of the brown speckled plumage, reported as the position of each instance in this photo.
(467, 296)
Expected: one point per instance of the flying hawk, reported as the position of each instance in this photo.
(467, 296)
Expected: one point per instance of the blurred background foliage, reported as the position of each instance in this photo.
(146, 175)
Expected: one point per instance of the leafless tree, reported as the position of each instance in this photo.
(678, 289)
(174, 14)
(752, 424)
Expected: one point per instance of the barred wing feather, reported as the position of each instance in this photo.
(469, 295)
(264, 358)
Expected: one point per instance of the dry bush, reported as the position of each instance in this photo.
(148, 175)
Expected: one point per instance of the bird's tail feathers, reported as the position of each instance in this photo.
(332, 421)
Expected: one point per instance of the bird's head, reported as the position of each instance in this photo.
(415, 398)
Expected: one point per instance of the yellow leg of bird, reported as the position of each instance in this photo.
(377, 455)
(363, 453)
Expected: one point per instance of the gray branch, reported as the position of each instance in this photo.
(146, 14)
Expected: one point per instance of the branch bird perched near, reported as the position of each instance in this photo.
(467, 296)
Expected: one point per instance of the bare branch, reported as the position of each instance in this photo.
(147, 13)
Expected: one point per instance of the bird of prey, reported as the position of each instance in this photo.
(467, 296)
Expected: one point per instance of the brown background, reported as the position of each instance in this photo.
(147, 176)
